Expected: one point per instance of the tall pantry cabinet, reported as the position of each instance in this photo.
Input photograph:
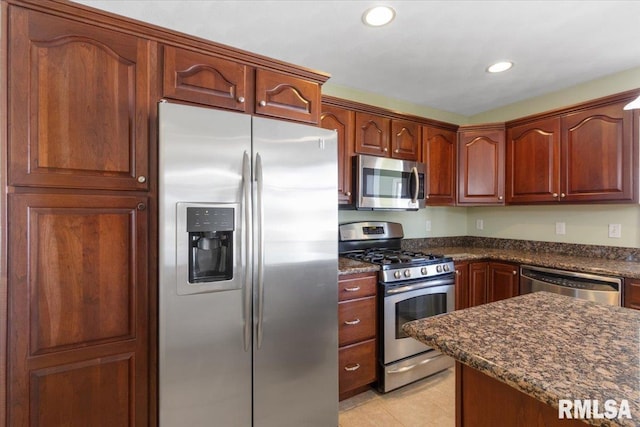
(78, 209)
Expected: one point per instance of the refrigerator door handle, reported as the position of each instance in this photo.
(246, 181)
(260, 224)
(414, 171)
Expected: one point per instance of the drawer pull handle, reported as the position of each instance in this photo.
(352, 368)
(352, 322)
(354, 289)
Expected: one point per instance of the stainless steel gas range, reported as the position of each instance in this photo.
(411, 286)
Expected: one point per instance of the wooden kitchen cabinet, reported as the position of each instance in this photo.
(631, 296)
(357, 333)
(481, 165)
(218, 82)
(580, 155)
(405, 139)
(533, 162)
(439, 148)
(381, 136)
(287, 97)
(80, 107)
(205, 79)
(599, 155)
(492, 281)
(78, 308)
(504, 281)
(342, 121)
(462, 285)
(372, 134)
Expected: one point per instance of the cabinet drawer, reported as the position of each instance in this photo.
(356, 286)
(357, 364)
(357, 320)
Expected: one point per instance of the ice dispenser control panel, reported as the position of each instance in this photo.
(202, 219)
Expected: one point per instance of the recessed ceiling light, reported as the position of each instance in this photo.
(378, 16)
(499, 67)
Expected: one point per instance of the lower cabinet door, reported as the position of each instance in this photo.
(78, 309)
(357, 364)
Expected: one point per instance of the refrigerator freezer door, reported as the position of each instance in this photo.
(204, 364)
(295, 306)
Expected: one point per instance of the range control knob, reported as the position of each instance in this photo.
(439, 268)
(423, 271)
(397, 274)
(407, 273)
(446, 267)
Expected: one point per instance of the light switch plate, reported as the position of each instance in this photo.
(428, 225)
(561, 228)
(479, 224)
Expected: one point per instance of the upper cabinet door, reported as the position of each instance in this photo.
(341, 120)
(405, 138)
(283, 96)
(82, 117)
(481, 166)
(205, 79)
(439, 154)
(372, 134)
(599, 155)
(533, 162)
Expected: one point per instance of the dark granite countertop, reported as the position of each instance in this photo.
(548, 346)
(349, 266)
(594, 265)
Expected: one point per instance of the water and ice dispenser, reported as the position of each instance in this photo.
(211, 244)
(207, 256)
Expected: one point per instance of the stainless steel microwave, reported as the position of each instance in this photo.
(388, 184)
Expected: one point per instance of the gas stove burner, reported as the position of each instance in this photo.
(390, 257)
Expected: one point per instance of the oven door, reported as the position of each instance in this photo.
(434, 299)
(384, 183)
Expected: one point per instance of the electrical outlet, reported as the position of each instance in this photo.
(561, 228)
(428, 225)
(615, 231)
(479, 224)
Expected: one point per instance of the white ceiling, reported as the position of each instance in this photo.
(433, 54)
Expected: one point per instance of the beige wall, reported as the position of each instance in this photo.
(586, 224)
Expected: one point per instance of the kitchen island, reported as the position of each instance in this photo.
(522, 358)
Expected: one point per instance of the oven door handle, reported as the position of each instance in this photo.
(421, 285)
(410, 367)
(416, 177)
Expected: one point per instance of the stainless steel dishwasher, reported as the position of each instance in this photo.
(591, 287)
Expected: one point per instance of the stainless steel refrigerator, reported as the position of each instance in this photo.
(248, 271)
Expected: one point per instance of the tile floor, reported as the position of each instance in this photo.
(426, 403)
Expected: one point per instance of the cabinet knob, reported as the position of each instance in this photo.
(555, 195)
(241, 99)
(263, 103)
(142, 179)
(352, 368)
(515, 272)
(500, 197)
(562, 195)
(352, 322)
(457, 272)
(386, 149)
(141, 206)
(348, 193)
(427, 196)
(397, 150)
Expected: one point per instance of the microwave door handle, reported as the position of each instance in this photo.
(246, 181)
(416, 178)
